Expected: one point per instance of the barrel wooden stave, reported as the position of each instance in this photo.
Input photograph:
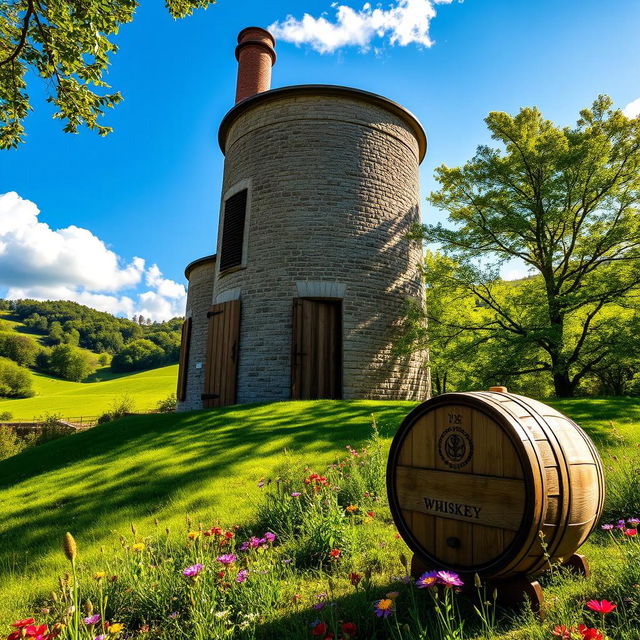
(533, 470)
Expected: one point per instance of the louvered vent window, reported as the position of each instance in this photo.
(235, 209)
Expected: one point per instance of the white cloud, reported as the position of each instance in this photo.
(632, 110)
(39, 262)
(403, 22)
(515, 269)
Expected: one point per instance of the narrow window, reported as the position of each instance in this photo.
(235, 209)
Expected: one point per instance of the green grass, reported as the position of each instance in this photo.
(205, 465)
(93, 397)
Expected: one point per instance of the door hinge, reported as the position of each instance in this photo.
(210, 314)
(209, 396)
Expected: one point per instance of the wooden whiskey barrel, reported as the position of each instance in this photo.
(473, 478)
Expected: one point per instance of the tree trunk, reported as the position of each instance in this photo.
(564, 386)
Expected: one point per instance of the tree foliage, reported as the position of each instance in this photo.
(15, 381)
(565, 201)
(68, 44)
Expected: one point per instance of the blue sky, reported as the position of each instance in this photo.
(151, 189)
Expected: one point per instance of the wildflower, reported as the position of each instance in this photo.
(449, 579)
(371, 514)
(228, 535)
(270, 537)
(70, 547)
(102, 636)
(630, 532)
(589, 633)
(138, 546)
(607, 527)
(287, 560)
(254, 542)
(98, 575)
(392, 595)
(226, 559)
(318, 628)
(244, 546)
(354, 578)
(334, 554)
(396, 535)
(242, 575)
(352, 508)
(260, 484)
(91, 620)
(318, 606)
(296, 494)
(428, 579)
(634, 522)
(173, 615)
(563, 632)
(603, 607)
(192, 535)
(296, 597)
(193, 570)
(19, 624)
(115, 628)
(383, 607)
(349, 629)
(621, 524)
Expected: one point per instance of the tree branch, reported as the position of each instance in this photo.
(23, 35)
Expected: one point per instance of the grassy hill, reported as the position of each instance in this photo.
(91, 397)
(205, 465)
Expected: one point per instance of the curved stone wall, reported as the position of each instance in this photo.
(333, 191)
(201, 277)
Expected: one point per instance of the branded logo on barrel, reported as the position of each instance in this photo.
(455, 447)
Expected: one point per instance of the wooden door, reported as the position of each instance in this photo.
(317, 349)
(185, 344)
(222, 355)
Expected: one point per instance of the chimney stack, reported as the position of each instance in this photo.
(256, 55)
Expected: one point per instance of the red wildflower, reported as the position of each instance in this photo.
(630, 532)
(603, 607)
(228, 535)
(349, 629)
(334, 554)
(589, 633)
(207, 533)
(354, 578)
(221, 574)
(18, 624)
(320, 629)
(217, 531)
(563, 632)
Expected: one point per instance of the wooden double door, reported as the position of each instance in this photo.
(317, 349)
(223, 341)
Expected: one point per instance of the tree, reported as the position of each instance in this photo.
(20, 349)
(67, 43)
(15, 381)
(565, 202)
(71, 363)
(137, 355)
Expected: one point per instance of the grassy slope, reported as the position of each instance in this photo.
(93, 397)
(88, 398)
(202, 464)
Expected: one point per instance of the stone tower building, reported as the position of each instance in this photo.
(313, 270)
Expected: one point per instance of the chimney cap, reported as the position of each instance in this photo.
(259, 29)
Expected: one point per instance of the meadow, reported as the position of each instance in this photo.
(144, 497)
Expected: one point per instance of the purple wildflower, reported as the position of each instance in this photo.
(244, 546)
(173, 615)
(428, 579)
(226, 559)
(193, 570)
(296, 494)
(242, 575)
(634, 522)
(91, 620)
(607, 527)
(621, 524)
(260, 484)
(102, 636)
(449, 579)
(269, 536)
(319, 605)
(383, 607)
(254, 542)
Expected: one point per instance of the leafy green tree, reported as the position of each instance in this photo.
(15, 381)
(138, 355)
(56, 333)
(67, 44)
(20, 349)
(37, 322)
(565, 201)
(71, 363)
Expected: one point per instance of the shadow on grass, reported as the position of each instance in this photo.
(89, 482)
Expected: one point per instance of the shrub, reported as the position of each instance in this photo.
(10, 443)
(15, 381)
(20, 349)
(104, 359)
(138, 355)
(168, 405)
(119, 408)
(71, 363)
(6, 415)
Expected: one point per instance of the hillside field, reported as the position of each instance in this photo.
(205, 465)
(93, 396)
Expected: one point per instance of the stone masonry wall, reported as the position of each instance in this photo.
(333, 192)
(199, 301)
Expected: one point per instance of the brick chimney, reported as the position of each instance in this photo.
(256, 55)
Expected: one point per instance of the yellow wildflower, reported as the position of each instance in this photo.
(352, 508)
(98, 575)
(138, 546)
(193, 535)
(116, 627)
